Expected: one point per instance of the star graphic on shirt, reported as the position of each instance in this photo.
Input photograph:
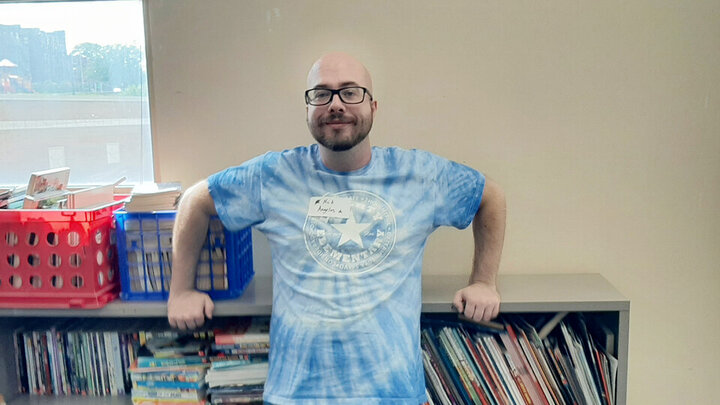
(351, 231)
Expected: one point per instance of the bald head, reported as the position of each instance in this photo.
(338, 69)
(340, 126)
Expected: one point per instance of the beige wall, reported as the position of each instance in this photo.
(601, 119)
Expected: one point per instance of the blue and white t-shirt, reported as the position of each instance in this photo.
(347, 254)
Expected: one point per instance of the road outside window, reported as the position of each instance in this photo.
(73, 91)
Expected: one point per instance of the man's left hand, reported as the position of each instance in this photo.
(478, 301)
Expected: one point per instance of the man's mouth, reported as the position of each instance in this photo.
(338, 122)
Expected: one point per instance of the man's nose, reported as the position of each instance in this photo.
(336, 104)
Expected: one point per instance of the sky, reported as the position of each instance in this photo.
(100, 22)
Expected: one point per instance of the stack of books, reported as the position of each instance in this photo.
(5, 194)
(170, 369)
(149, 197)
(73, 357)
(48, 189)
(12, 197)
(239, 364)
(467, 364)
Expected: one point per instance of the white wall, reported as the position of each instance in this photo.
(600, 119)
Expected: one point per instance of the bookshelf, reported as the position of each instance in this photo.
(590, 294)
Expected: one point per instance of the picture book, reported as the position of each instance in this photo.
(48, 180)
(47, 189)
(246, 330)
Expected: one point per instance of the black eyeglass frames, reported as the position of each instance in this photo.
(348, 95)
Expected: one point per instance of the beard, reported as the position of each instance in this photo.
(342, 139)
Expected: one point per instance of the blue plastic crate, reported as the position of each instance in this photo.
(144, 242)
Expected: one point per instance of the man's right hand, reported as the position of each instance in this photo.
(188, 309)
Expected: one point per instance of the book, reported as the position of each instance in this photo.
(16, 198)
(481, 362)
(255, 373)
(581, 367)
(523, 369)
(562, 358)
(143, 401)
(176, 346)
(115, 370)
(436, 391)
(230, 399)
(168, 394)
(242, 348)
(200, 368)
(502, 369)
(179, 374)
(471, 368)
(558, 374)
(458, 365)
(428, 346)
(537, 349)
(48, 180)
(196, 385)
(20, 361)
(605, 376)
(151, 362)
(93, 197)
(45, 362)
(5, 194)
(248, 330)
(454, 380)
(46, 200)
(536, 367)
(591, 356)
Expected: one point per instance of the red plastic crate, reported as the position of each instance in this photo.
(58, 258)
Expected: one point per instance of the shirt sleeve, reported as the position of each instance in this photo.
(237, 193)
(458, 191)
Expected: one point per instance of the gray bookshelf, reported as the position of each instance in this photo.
(590, 294)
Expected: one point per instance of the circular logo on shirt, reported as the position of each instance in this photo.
(349, 232)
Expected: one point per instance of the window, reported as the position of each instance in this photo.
(73, 91)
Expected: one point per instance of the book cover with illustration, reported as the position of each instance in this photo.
(48, 180)
(47, 189)
(244, 330)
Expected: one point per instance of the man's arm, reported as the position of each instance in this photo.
(480, 300)
(188, 307)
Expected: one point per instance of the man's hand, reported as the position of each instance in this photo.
(188, 309)
(479, 301)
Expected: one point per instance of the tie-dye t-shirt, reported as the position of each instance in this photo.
(347, 251)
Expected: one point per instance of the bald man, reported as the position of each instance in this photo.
(347, 224)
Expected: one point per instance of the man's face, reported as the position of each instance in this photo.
(339, 126)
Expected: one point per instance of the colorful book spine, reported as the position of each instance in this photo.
(149, 362)
(184, 385)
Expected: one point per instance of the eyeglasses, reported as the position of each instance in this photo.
(348, 95)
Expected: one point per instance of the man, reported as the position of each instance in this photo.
(347, 224)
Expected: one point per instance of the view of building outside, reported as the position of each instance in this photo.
(73, 91)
